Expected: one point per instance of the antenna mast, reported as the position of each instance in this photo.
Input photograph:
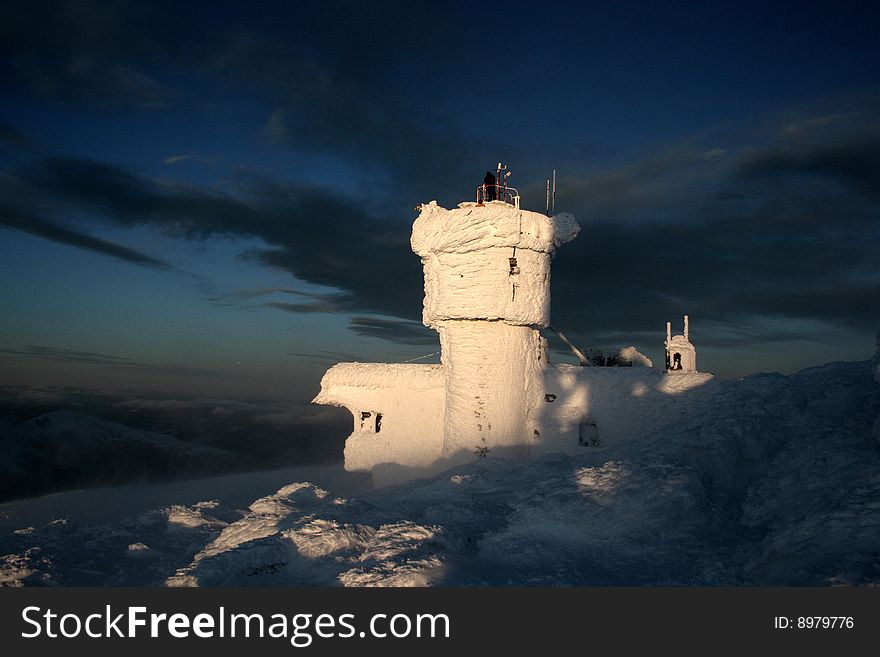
(550, 206)
(501, 188)
(547, 207)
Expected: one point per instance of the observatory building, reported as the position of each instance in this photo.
(487, 294)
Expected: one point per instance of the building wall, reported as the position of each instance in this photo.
(411, 400)
(571, 409)
(480, 285)
(466, 254)
(493, 376)
(621, 403)
(680, 344)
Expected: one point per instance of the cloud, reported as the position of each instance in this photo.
(14, 137)
(91, 53)
(309, 307)
(727, 239)
(329, 85)
(784, 231)
(779, 222)
(66, 355)
(313, 233)
(189, 157)
(105, 360)
(380, 276)
(29, 223)
(394, 330)
(318, 235)
(84, 79)
(128, 200)
(852, 163)
(628, 278)
(312, 302)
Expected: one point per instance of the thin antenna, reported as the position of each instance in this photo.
(553, 204)
(499, 195)
(547, 210)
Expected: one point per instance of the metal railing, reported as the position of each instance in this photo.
(500, 191)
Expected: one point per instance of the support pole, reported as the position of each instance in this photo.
(577, 352)
(668, 341)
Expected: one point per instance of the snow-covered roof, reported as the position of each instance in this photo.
(680, 342)
(470, 227)
(381, 376)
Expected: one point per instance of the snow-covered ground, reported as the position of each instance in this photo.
(774, 481)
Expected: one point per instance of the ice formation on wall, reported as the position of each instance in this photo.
(487, 294)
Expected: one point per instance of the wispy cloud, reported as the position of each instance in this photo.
(19, 220)
(785, 230)
(316, 234)
(63, 355)
(394, 330)
(777, 220)
(12, 136)
(311, 302)
(66, 355)
(732, 237)
(329, 86)
(181, 158)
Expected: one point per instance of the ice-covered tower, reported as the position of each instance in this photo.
(487, 293)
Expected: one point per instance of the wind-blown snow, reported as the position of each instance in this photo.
(634, 357)
(774, 481)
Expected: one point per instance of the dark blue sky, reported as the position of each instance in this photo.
(215, 198)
